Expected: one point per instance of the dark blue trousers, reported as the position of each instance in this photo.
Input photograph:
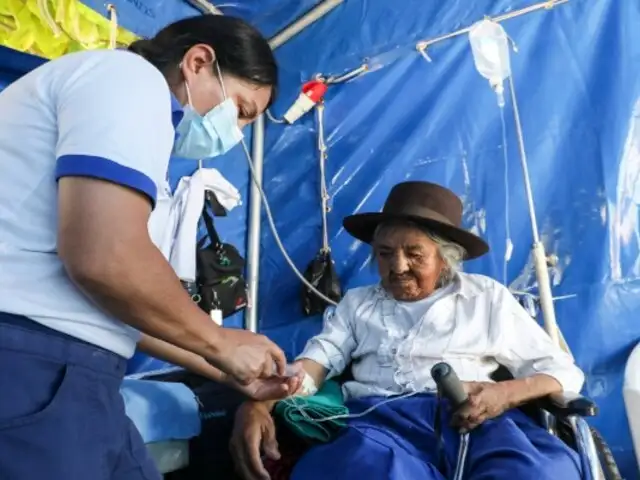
(61, 413)
(397, 442)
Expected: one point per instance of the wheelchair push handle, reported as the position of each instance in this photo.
(449, 385)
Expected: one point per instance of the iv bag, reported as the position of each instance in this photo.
(490, 48)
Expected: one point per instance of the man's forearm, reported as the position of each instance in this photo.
(523, 390)
(138, 286)
(104, 245)
(182, 358)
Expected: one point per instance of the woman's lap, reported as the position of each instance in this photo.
(353, 456)
(397, 441)
(512, 446)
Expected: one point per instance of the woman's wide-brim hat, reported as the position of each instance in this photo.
(432, 206)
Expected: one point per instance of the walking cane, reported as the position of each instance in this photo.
(451, 388)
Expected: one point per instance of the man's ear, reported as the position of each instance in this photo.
(196, 58)
(205, 56)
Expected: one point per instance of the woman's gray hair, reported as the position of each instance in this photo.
(451, 253)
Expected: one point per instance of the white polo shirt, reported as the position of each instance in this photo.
(103, 114)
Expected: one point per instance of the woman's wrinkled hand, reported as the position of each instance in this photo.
(272, 388)
(254, 434)
(486, 400)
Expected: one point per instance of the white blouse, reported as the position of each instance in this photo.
(474, 324)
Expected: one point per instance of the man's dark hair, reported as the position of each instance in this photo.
(240, 49)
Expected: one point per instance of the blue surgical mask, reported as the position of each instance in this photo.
(209, 135)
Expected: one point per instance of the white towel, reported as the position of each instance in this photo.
(173, 225)
(163, 221)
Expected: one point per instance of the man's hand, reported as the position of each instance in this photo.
(246, 356)
(253, 432)
(486, 400)
(274, 388)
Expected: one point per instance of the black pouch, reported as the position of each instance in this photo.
(220, 282)
(320, 273)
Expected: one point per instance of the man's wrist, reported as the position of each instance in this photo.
(211, 343)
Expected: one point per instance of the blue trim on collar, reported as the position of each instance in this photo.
(177, 112)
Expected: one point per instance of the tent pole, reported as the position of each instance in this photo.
(257, 147)
(205, 7)
(253, 237)
(313, 15)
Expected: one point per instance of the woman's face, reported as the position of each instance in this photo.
(408, 262)
(200, 73)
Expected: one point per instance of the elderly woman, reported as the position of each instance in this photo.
(423, 312)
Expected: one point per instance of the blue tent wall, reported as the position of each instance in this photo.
(438, 121)
(578, 85)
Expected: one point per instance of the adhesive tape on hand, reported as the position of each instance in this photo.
(308, 386)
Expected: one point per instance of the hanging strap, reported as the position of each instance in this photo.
(208, 223)
(113, 27)
(324, 193)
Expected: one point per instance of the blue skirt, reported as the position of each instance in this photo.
(397, 442)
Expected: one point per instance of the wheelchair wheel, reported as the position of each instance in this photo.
(607, 462)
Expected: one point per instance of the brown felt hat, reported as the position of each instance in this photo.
(435, 207)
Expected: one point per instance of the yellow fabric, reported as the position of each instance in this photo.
(50, 28)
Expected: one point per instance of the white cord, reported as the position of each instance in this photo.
(508, 243)
(272, 118)
(43, 7)
(276, 236)
(523, 162)
(291, 401)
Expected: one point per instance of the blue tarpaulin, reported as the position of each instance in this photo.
(577, 79)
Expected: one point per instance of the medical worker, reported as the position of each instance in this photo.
(85, 142)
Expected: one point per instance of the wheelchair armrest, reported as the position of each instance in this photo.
(566, 404)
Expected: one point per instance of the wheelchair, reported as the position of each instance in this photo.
(563, 415)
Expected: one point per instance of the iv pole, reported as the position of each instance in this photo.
(540, 259)
(485, 59)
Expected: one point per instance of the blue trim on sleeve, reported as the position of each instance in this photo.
(105, 169)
